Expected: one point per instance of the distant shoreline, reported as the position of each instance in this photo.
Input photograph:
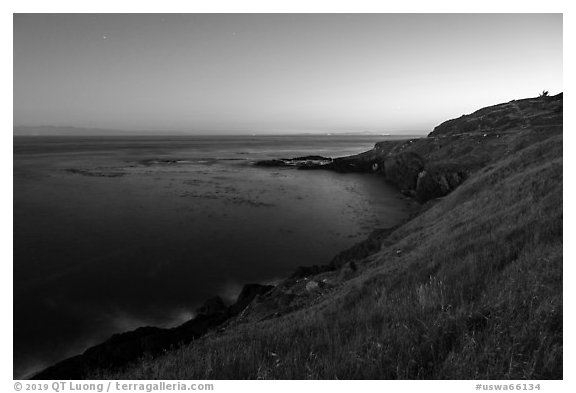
(49, 131)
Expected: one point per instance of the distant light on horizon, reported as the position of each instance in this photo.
(277, 73)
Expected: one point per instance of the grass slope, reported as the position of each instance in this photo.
(469, 288)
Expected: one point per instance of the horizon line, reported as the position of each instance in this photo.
(96, 131)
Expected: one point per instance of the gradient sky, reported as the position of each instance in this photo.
(263, 73)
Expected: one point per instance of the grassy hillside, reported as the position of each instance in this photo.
(471, 287)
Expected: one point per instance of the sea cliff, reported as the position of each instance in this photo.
(470, 287)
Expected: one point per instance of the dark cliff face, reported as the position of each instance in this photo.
(439, 180)
(403, 169)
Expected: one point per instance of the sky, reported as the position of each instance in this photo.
(277, 73)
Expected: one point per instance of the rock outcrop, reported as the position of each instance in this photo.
(403, 170)
(213, 306)
(307, 162)
(439, 180)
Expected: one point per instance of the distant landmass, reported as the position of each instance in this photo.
(82, 131)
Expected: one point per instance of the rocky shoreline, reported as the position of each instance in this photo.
(397, 162)
(267, 300)
(121, 349)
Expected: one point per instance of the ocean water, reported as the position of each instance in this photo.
(115, 233)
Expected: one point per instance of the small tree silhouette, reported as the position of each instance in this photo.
(544, 94)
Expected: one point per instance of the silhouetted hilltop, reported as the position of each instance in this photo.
(511, 116)
(431, 167)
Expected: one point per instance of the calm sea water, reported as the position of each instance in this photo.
(109, 237)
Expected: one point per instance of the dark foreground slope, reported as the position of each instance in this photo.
(471, 287)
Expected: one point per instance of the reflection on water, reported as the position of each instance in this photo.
(112, 234)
